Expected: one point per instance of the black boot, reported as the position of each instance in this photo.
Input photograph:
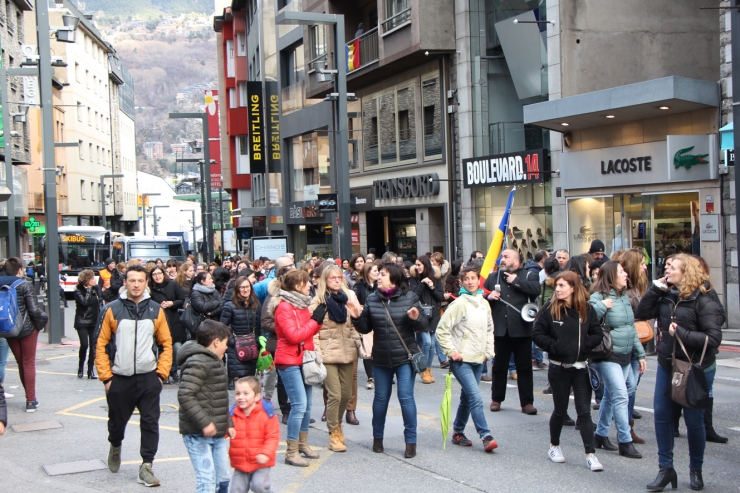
(603, 442)
(91, 371)
(697, 482)
(628, 450)
(81, 369)
(712, 435)
(231, 384)
(665, 475)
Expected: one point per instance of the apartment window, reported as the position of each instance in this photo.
(317, 38)
(9, 16)
(397, 13)
(80, 110)
(92, 191)
(242, 162)
(390, 126)
(97, 121)
(256, 62)
(97, 152)
(230, 58)
(89, 116)
(232, 98)
(95, 84)
(87, 78)
(242, 86)
(90, 154)
(78, 72)
(241, 44)
(61, 132)
(82, 189)
(81, 148)
(432, 116)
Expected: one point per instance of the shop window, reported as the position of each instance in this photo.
(258, 190)
(591, 218)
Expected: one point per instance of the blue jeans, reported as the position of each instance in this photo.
(404, 390)
(210, 458)
(537, 355)
(618, 382)
(424, 340)
(175, 348)
(440, 355)
(4, 350)
(635, 375)
(471, 402)
(300, 400)
(694, 419)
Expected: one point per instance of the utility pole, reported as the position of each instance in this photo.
(156, 228)
(8, 145)
(143, 207)
(203, 221)
(221, 221)
(195, 243)
(104, 221)
(735, 30)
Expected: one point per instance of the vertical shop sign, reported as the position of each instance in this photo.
(214, 138)
(274, 147)
(256, 127)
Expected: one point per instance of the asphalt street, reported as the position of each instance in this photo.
(519, 464)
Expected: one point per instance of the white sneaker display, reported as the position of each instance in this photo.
(593, 463)
(556, 454)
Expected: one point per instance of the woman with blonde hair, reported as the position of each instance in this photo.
(691, 313)
(337, 342)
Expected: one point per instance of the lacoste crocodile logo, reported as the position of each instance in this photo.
(688, 160)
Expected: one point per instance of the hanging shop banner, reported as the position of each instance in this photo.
(214, 137)
(273, 146)
(256, 127)
(505, 169)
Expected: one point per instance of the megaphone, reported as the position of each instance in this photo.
(529, 312)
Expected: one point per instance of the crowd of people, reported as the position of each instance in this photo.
(396, 316)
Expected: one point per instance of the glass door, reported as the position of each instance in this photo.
(676, 218)
(637, 226)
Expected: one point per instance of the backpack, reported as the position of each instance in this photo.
(9, 326)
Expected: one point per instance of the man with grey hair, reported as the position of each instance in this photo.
(260, 289)
(512, 334)
(562, 255)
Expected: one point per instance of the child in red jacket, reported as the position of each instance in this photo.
(254, 446)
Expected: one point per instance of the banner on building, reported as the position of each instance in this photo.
(352, 50)
(214, 137)
(256, 128)
(274, 145)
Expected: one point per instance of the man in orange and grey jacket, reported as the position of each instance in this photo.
(127, 363)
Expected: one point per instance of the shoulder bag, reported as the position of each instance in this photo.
(419, 360)
(314, 371)
(245, 347)
(366, 346)
(688, 382)
(605, 348)
(644, 331)
(190, 320)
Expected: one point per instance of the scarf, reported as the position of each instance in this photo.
(465, 291)
(336, 303)
(388, 293)
(204, 289)
(295, 298)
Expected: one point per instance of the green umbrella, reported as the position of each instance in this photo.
(445, 409)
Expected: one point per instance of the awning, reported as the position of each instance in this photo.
(355, 219)
(649, 99)
(727, 137)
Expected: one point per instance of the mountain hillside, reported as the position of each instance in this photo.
(147, 9)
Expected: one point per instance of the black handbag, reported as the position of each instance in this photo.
(605, 348)
(419, 360)
(190, 319)
(688, 382)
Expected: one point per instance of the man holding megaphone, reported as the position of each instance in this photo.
(511, 288)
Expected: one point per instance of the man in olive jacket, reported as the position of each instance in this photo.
(512, 335)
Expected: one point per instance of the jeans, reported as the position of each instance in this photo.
(618, 382)
(210, 458)
(635, 375)
(175, 348)
(426, 345)
(87, 341)
(4, 350)
(471, 402)
(520, 348)
(300, 400)
(694, 419)
(537, 355)
(257, 481)
(562, 380)
(437, 349)
(404, 390)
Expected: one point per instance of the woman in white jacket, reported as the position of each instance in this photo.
(465, 334)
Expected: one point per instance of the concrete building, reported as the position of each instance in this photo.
(91, 96)
(154, 150)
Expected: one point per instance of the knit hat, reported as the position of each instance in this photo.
(109, 261)
(338, 261)
(596, 246)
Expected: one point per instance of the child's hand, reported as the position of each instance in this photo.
(262, 459)
(210, 430)
(232, 433)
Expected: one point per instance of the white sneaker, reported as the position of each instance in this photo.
(593, 463)
(556, 454)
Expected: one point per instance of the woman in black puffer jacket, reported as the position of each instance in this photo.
(87, 300)
(171, 298)
(205, 299)
(692, 312)
(428, 287)
(242, 314)
(389, 355)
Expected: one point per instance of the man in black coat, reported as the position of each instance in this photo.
(512, 334)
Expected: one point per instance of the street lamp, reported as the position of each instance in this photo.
(143, 206)
(192, 222)
(102, 196)
(341, 155)
(207, 246)
(207, 226)
(156, 230)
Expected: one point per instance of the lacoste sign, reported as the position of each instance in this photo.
(681, 158)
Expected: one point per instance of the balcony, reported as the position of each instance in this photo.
(364, 51)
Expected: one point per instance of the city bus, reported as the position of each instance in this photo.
(143, 248)
(80, 248)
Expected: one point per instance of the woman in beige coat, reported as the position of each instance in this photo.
(337, 342)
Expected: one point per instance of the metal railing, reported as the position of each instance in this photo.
(396, 20)
(368, 48)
